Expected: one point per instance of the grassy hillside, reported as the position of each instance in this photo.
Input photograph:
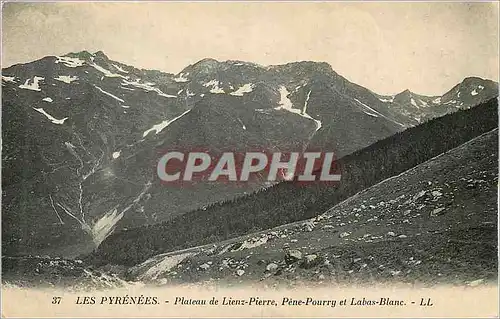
(433, 224)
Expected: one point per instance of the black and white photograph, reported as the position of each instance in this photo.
(273, 149)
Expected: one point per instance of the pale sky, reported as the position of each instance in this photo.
(386, 47)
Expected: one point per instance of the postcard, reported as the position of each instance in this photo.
(250, 159)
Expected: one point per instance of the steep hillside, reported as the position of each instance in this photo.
(435, 223)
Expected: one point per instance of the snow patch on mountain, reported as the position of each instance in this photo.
(375, 113)
(105, 226)
(107, 72)
(181, 78)
(11, 79)
(50, 117)
(66, 78)
(437, 100)
(304, 110)
(147, 87)
(215, 87)
(217, 90)
(119, 69)
(107, 223)
(474, 92)
(125, 106)
(109, 94)
(116, 154)
(69, 61)
(159, 127)
(389, 100)
(242, 124)
(370, 111)
(48, 99)
(246, 88)
(286, 104)
(299, 87)
(34, 86)
(412, 101)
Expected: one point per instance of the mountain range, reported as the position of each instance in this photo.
(82, 135)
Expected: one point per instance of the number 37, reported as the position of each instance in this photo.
(56, 300)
